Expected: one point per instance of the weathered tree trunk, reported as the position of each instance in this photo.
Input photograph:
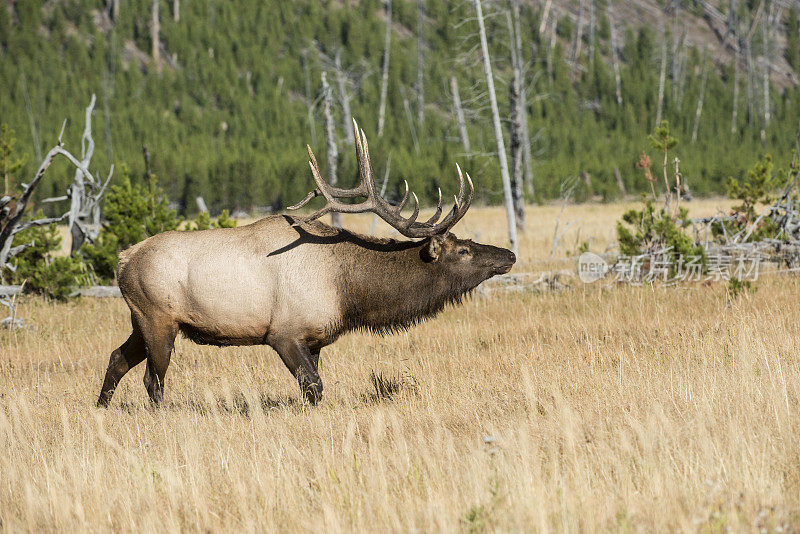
(385, 73)
(330, 138)
(515, 146)
(462, 123)
(551, 49)
(750, 90)
(420, 63)
(37, 147)
(517, 109)
(767, 53)
(614, 55)
(682, 56)
(84, 213)
(735, 110)
(527, 156)
(545, 14)
(176, 10)
(108, 90)
(591, 32)
(676, 45)
(344, 100)
(620, 183)
(577, 40)
(587, 179)
(114, 11)
(662, 76)
(699, 110)
(498, 131)
(155, 40)
(411, 128)
(311, 101)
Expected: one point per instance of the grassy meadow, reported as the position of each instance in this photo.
(625, 409)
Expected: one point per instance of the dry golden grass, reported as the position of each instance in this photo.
(639, 409)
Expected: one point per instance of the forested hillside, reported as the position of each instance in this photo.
(228, 94)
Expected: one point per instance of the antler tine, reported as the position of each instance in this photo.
(371, 189)
(460, 206)
(400, 206)
(438, 213)
(306, 200)
(460, 181)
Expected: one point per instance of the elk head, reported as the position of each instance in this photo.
(466, 262)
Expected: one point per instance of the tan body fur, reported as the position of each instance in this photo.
(234, 286)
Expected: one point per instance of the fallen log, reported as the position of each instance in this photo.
(91, 291)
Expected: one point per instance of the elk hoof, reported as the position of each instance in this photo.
(313, 392)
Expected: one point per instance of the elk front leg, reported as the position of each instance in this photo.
(302, 363)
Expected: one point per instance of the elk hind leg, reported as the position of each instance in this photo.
(124, 358)
(160, 340)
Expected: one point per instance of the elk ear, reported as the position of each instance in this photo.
(433, 249)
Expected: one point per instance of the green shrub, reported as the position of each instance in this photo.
(203, 221)
(42, 272)
(655, 229)
(57, 277)
(755, 188)
(651, 229)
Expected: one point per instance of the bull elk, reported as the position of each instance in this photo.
(294, 283)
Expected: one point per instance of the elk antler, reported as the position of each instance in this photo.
(376, 204)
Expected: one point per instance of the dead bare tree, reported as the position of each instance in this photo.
(176, 10)
(344, 99)
(411, 128)
(498, 131)
(527, 157)
(577, 40)
(84, 192)
(311, 101)
(591, 32)
(766, 52)
(113, 10)
(385, 73)
(620, 183)
(699, 110)
(568, 187)
(516, 110)
(420, 87)
(545, 14)
(551, 49)
(37, 147)
(735, 110)
(459, 111)
(330, 139)
(614, 52)
(750, 90)
(155, 40)
(676, 48)
(12, 208)
(662, 76)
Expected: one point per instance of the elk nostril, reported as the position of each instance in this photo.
(512, 257)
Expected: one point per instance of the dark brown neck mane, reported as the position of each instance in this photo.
(385, 286)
